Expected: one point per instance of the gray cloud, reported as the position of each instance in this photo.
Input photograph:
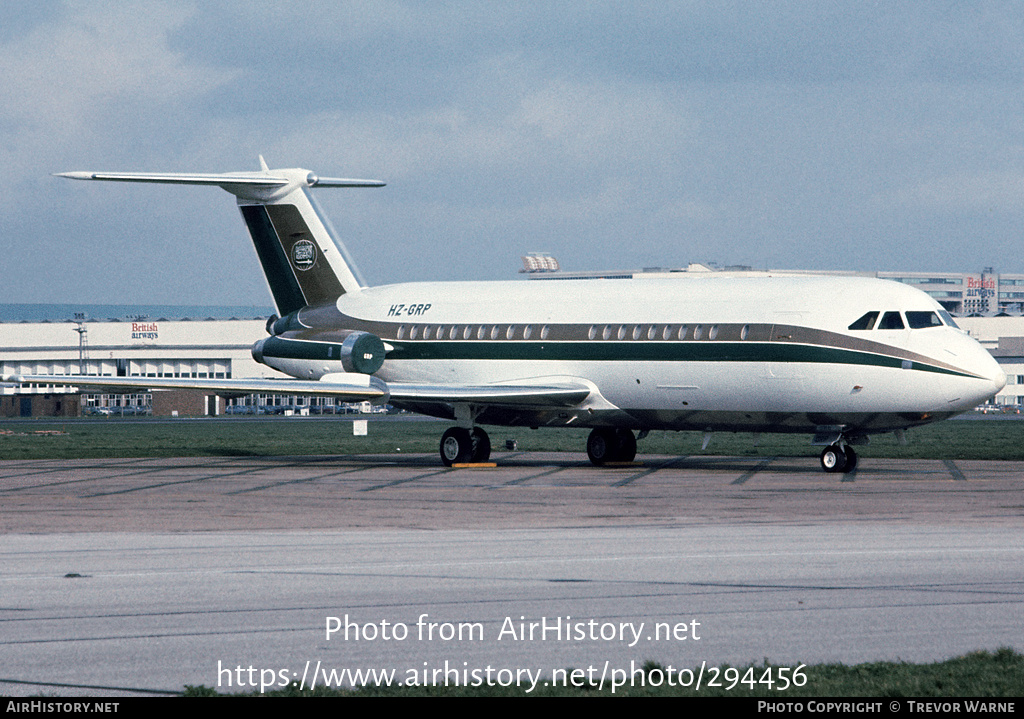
(791, 134)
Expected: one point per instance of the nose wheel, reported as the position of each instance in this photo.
(838, 458)
(465, 446)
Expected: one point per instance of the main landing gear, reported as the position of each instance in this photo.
(465, 446)
(837, 458)
(607, 444)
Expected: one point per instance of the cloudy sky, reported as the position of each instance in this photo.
(814, 135)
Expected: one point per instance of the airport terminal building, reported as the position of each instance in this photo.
(987, 305)
(140, 348)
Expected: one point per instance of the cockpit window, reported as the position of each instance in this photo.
(919, 320)
(891, 321)
(948, 319)
(865, 323)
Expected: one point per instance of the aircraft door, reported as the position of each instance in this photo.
(783, 361)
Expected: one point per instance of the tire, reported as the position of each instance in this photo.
(625, 450)
(456, 446)
(851, 459)
(606, 444)
(834, 459)
(481, 445)
(601, 446)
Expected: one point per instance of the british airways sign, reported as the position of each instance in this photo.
(145, 331)
(980, 287)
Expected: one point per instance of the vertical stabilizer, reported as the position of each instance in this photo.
(303, 260)
(303, 263)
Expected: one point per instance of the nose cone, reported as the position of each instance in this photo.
(981, 377)
(985, 365)
(1000, 379)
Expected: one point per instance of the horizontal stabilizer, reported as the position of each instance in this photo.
(171, 178)
(257, 179)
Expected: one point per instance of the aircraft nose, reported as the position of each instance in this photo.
(999, 379)
(975, 360)
(989, 368)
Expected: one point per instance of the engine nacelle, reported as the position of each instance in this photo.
(358, 352)
(362, 352)
(270, 324)
(279, 325)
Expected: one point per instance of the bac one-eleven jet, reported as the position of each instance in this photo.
(836, 357)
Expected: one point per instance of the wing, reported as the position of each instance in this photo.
(348, 387)
(499, 395)
(529, 402)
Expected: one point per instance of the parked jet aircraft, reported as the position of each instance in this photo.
(837, 357)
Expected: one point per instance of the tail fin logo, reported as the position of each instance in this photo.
(304, 255)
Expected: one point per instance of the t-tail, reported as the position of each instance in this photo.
(304, 261)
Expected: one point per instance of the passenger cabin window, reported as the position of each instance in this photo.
(919, 320)
(864, 323)
(891, 321)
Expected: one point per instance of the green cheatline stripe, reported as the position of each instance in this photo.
(608, 352)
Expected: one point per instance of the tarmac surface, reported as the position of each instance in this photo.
(144, 575)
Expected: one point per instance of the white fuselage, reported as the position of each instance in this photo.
(720, 351)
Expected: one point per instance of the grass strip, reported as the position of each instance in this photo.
(238, 436)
